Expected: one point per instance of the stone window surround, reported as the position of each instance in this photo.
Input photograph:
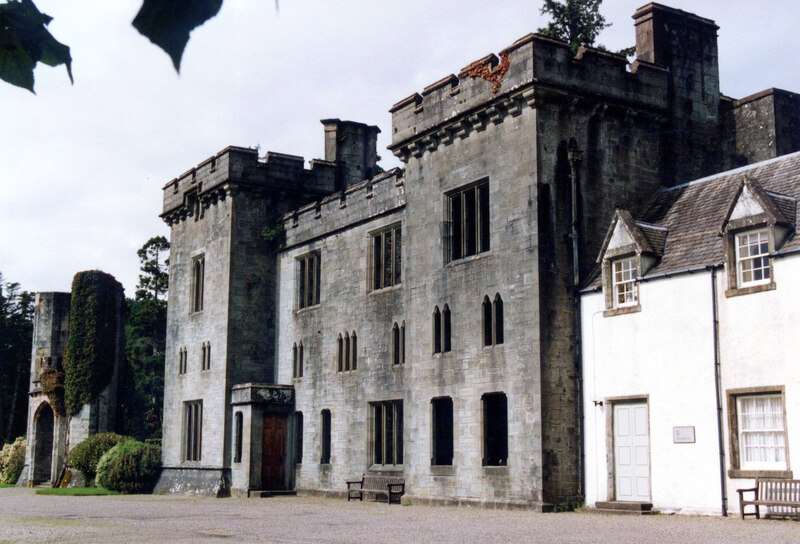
(487, 450)
(377, 283)
(198, 272)
(398, 446)
(740, 226)
(398, 343)
(480, 223)
(442, 330)
(733, 433)
(192, 431)
(611, 256)
(492, 321)
(306, 299)
(436, 455)
(347, 352)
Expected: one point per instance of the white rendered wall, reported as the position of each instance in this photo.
(665, 352)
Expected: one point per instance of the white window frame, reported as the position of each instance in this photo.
(774, 436)
(625, 284)
(758, 262)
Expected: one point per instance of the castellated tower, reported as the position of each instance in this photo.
(51, 432)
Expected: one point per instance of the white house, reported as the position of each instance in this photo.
(691, 345)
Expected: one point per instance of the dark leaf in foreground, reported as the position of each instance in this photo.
(167, 23)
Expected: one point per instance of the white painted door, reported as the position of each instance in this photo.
(631, 452)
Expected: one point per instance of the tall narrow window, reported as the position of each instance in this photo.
(308, 280)
(346, 351)
(395, 344)
(298, 438)
(182, 361)
(294, 360)
(238, 429)
(403, 343)
(203, 356)
(752, 258)
(626, 290)
(300, 361)
(446, 329)
(386, 258)
(487, 322)
(495, 429)
(497, 306)
(468, 216)
(387, 432)
(198, 273)
(442, 435)
(193, 430)
(354, 351)
(437, 330)
(340, 354)
(325, 458)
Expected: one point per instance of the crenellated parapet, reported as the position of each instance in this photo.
(240, 168)
(382, 195)
(532, 70)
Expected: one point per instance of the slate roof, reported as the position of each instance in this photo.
(694, 212)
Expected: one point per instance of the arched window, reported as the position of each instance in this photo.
(403, 343)
(340, 354)
(498, 319)
(487, 322)
(300, 361)
(208, 355)
(395, 344)
(238, 426)
(346, 351)
(437, 330)
(197, 283)
(294, 360)
(203, 356)
(446, 333)
(354, 351)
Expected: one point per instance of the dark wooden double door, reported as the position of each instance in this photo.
(273, 452)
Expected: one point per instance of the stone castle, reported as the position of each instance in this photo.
(423, 321)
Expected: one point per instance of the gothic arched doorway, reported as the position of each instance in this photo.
(43, 445)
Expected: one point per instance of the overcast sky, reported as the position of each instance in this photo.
(82, 166)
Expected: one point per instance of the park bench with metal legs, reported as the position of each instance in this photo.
(388, 486)
(782, 496)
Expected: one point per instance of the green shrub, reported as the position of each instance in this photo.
(13, 461)
(92, 340)
(85, 455)
(130, 467)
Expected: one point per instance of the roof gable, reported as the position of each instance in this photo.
(751, 201)
(625, 232)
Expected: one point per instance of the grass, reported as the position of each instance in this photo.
(7, 485)
(77, 491)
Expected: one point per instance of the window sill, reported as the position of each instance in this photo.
(623, 310)
(325, 467)
(443, 470)
(386, 469)
(739, 473)
(738, 291)
(195, 313)
(307, 309)
(466, 260)
(495, 469)
(384, 290)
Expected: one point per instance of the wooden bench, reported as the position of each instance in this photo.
(782, 495)
(389, 486)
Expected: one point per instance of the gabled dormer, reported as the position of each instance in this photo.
(630, 249)
(757, 223)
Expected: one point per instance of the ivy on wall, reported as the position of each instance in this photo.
(91, 346)
(53, 386)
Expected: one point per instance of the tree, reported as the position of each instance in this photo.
(25, 40)
(16, 331)
(577, 22)
(154, 264)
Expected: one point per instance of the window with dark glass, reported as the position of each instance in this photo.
(468, 221)
(298, 438)
(441, 330)
(399, 344)
(198, 279)
(238, 429)
(308, 280)
(387, 258)
(442, 419)
(495, 429)
(193, 430)
(325, 458)
(387, 432)
(492, 321)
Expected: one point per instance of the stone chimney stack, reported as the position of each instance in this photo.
(354, 148)
(686, 45)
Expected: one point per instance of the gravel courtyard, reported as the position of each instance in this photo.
(26, 517)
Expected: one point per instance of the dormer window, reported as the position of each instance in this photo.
(626, 291)
(752, 258)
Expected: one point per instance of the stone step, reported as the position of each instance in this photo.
(634, 508)
(263, 493)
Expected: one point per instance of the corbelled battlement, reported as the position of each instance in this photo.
(369, 199)
(532, 68)
(241, 166)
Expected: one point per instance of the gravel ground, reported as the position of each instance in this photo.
(26, 517)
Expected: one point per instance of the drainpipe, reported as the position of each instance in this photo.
(718, 391)
(574, 158)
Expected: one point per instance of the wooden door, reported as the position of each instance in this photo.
(631, 452)
(273, 452)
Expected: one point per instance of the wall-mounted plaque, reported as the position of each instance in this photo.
(683, 435)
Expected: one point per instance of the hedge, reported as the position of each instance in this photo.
(86, 455)
(92, 341)
(12, 461)
(130, 467)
